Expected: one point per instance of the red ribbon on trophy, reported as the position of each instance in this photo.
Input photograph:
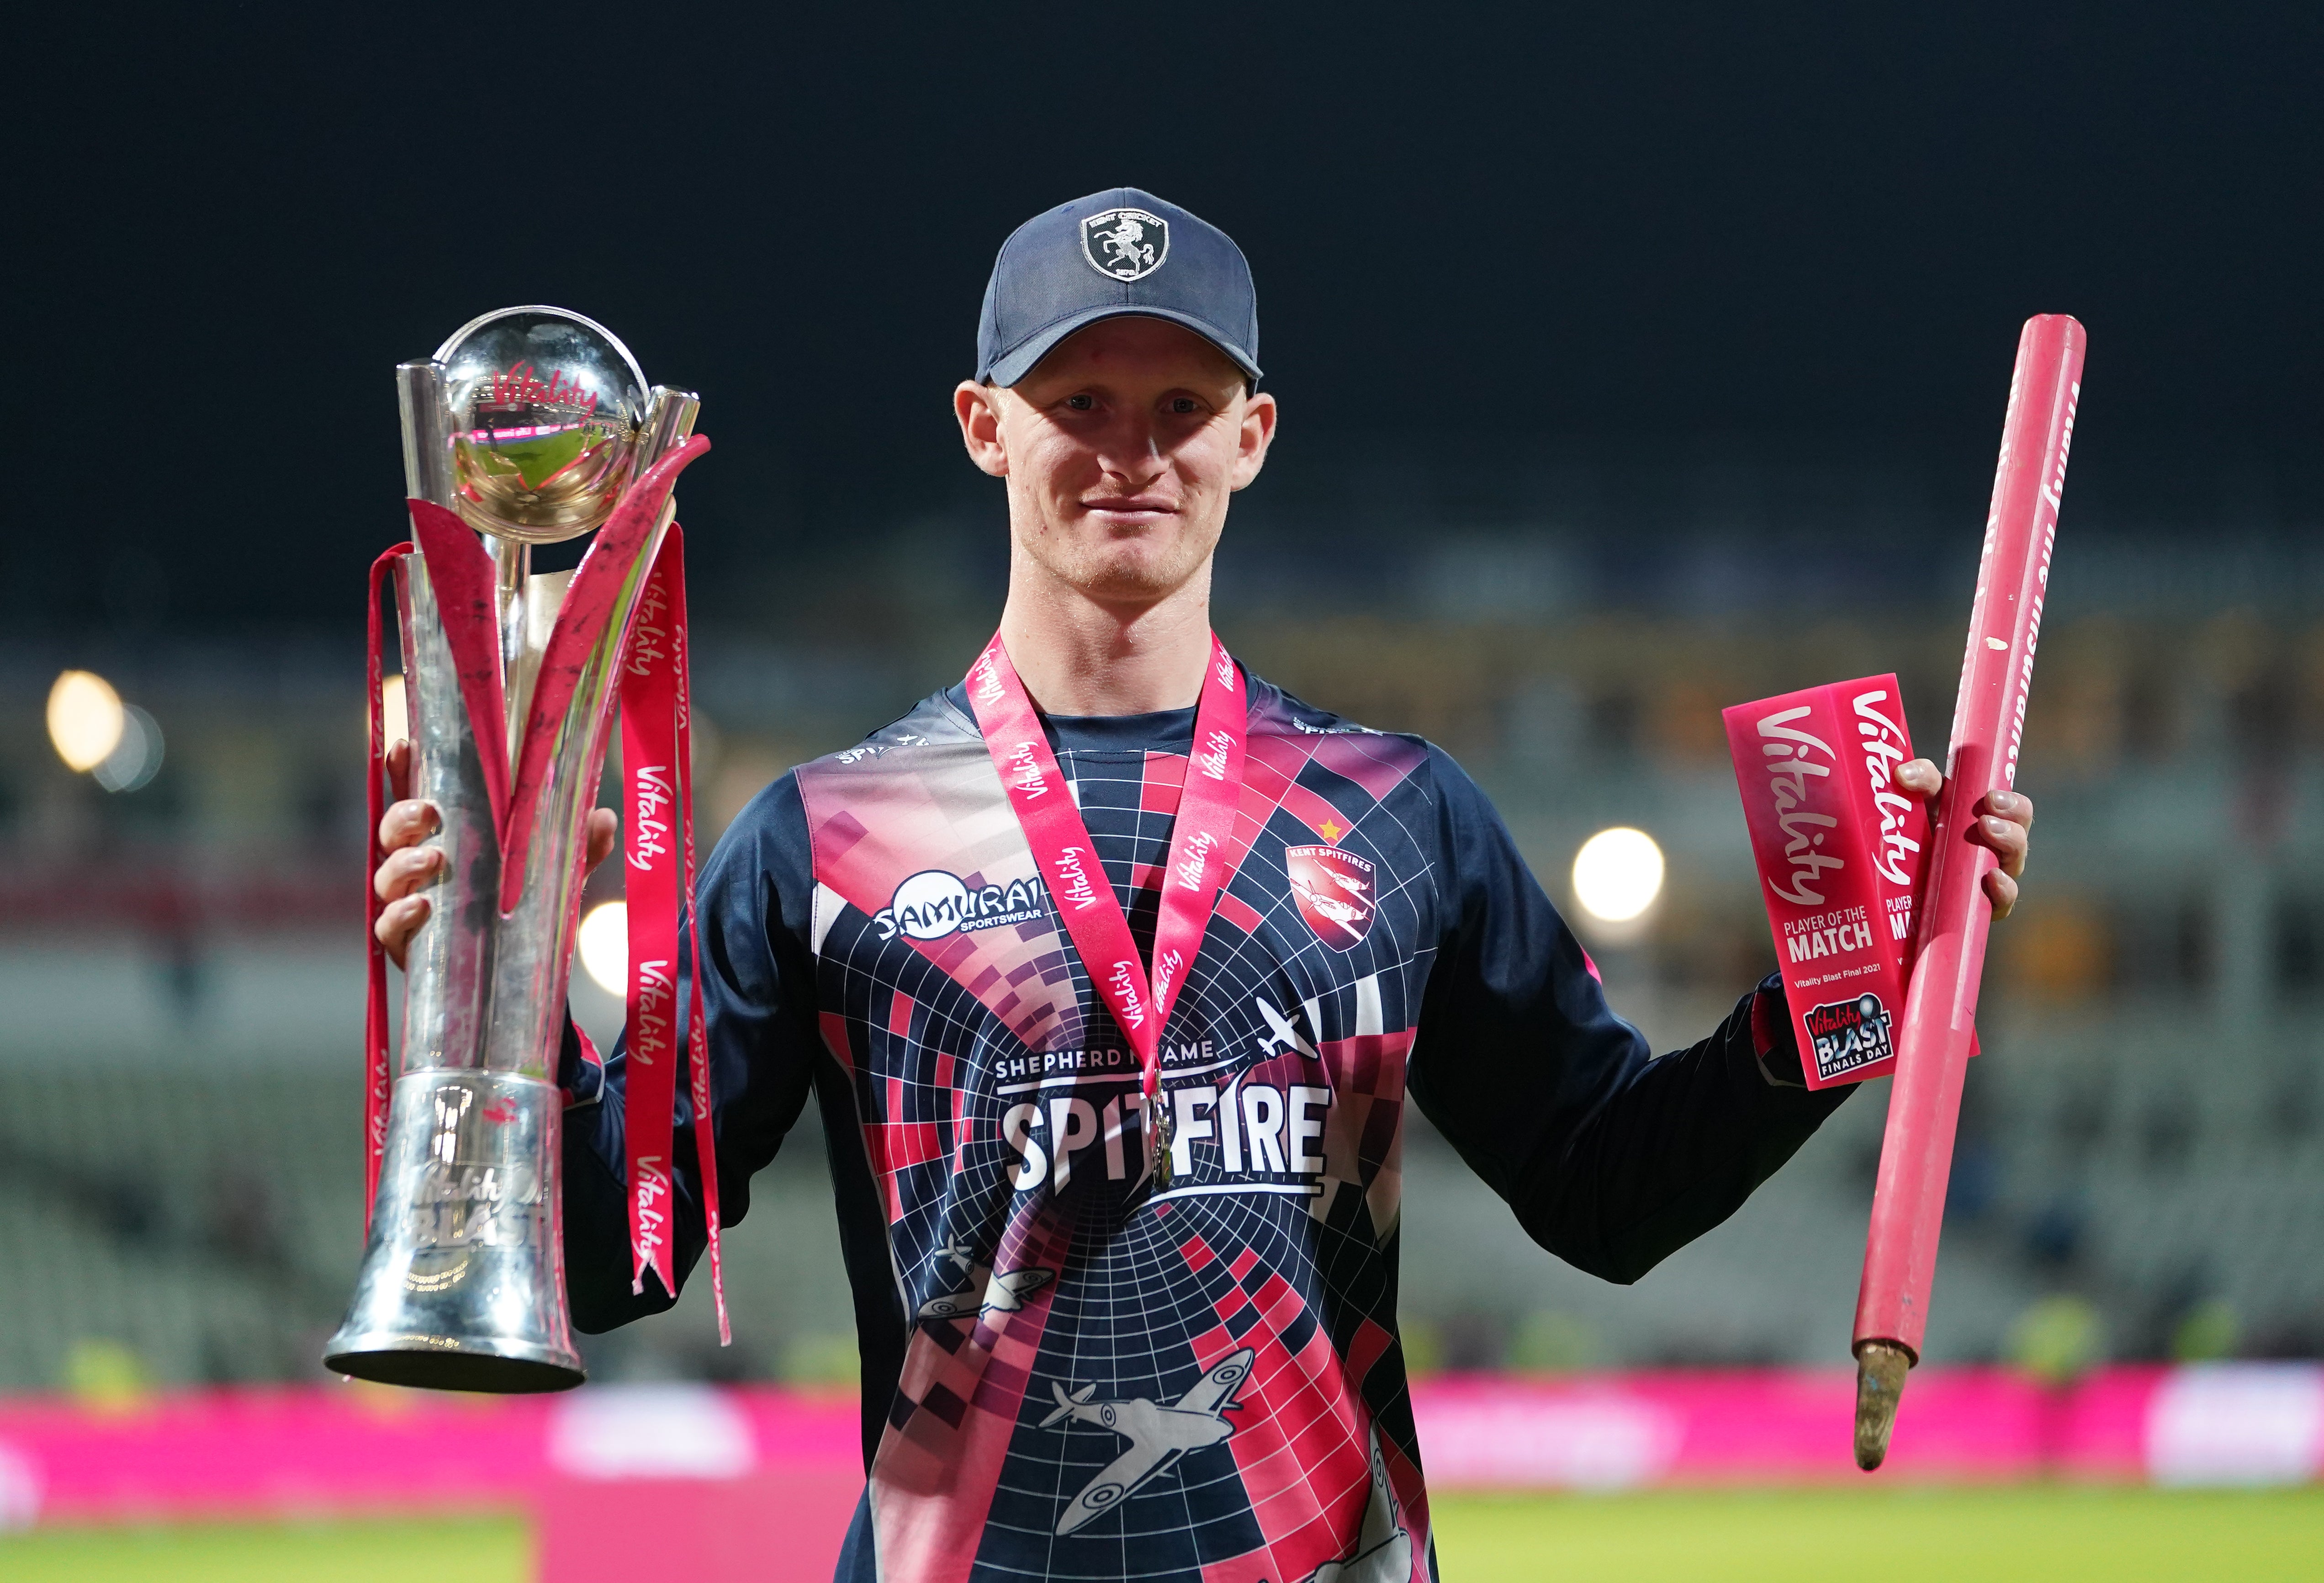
(656, 792)
(376, 1086)
(1200, 843)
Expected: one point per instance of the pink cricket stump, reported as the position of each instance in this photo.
(1988, 718)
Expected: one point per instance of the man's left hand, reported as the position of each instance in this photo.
(2004, 822)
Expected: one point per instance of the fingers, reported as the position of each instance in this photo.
(1920, 776)
(2006, 839)
(2014, 806)
(2008, 834)
(398, 923)
(2004, 822)
(604, 829)
(2002, 892)
(406, 871)
(408, 864)
(407, 824)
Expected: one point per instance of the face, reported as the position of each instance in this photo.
(1121, 449)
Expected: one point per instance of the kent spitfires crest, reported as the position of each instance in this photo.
(1335, 891)
(1125, 244)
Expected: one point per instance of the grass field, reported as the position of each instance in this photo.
(1904, 1535)
(449, 1549)
(1891, 1536)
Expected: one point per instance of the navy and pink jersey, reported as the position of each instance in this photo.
(1071, 1368)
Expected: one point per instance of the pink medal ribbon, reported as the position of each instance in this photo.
(1068, 858)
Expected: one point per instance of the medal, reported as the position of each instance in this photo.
(1200, 842)
(1157, 1154)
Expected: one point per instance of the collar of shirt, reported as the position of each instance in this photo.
(1163, 731)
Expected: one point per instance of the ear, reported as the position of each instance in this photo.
(979, 412)
(1258, 433)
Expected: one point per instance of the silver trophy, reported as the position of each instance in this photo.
(531, 424)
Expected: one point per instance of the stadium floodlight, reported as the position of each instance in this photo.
(1618, 873)
(605, 947)
(137, 758)
(85, 719)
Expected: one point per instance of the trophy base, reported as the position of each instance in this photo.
(463, 1282)
(429, 1364)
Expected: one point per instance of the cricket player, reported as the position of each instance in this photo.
(1111, 969)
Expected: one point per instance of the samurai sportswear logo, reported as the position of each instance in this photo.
(1125, 244)
(1849, 1034)
(932, 904)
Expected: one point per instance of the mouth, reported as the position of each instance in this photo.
(1129, 509)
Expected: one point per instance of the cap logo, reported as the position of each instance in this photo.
(1125, 244)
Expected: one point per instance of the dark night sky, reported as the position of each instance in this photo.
(1826, 221)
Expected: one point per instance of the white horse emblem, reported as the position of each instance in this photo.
(1125, 244)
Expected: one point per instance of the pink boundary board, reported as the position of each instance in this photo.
(307, 1451)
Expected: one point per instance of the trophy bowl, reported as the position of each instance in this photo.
(548, 409)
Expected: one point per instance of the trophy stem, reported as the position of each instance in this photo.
(512, 568)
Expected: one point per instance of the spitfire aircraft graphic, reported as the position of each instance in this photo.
(958, 1252)
(1345, 914)
(1159, 1435)
(1383, 1552)
(1280, 1029)
(1005, 1292)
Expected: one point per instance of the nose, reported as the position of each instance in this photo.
(1129, 450)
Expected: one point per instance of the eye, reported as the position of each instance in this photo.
(1183, 405)
(1082, 403)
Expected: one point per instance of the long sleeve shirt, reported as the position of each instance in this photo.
(1071, 1369)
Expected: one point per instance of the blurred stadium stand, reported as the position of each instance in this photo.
(2142, 1139)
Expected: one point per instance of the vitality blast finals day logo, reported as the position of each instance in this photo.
(1849, 1034)
(933, 903)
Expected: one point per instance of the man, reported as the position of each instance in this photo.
(1122, 1242)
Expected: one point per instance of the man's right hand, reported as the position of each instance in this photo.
(410, 868)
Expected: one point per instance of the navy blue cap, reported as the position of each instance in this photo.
(1114, 254)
